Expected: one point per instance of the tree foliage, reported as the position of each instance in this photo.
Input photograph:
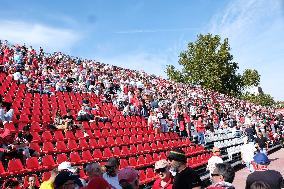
(260, 99)
(209, 63)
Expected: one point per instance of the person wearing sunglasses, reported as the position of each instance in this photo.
(165, 180)
(216, 158)
(185, 177)
(222, 177)
(112, 167)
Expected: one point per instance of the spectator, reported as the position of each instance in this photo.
(49, 184)
(223, 177)
(247, 153)
(110, 176)
(66, 180)
(250, 132)
(215, 159)
(200, 128)
(271, 177)
(185, 177)
(11, 184)
(261, 143)
(165, 180)
(93, 170)
(128, 178)
(6, 114)
(32, 184)
(259, 185)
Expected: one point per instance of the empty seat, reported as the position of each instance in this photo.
(32, 164)
(87, 156)
(61, 146)
(46, 136)
(47, 147)
(97, 155)
(61, 158)
(58, 135)
(75, 158)
(48, 162)
(72, 145)
(15, 166)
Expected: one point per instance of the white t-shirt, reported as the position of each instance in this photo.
(247, 151)
(112, 181)
(212, 163)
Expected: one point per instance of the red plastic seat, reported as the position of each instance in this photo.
(141, 161)
(107, 153)
(140, 148)
(32, 164)
(118, 141)
(126, 140)
(48, 148)
(150, 174)
(58, 135)
(87, 156)
(35, 146)
(83, 144)
(61, 147)
(36, 137)
(72, 145)
(125, 151)
(10, 126)
(133, 150)
(15, 167)
(97, 134)
(142, 177)
(79, 134)
(48, 162)
(97, 155)
(123, 163)
(75, 158)
(149, 159)
(102, 143)
(116, 151)
(69, 135)
(46, 136)
(110, 141)
(61, 158)
(132, 162)
(93, 143)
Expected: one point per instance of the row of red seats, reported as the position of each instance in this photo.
(135, 148)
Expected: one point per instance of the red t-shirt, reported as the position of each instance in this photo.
(97, 183)
(157, 184)
(200, 127)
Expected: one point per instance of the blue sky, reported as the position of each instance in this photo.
(149, 34)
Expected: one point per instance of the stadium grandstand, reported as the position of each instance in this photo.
(60, 112)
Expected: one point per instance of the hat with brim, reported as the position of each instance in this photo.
(177, 155)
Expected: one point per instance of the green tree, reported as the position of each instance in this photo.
(260, 99)
(209, 63)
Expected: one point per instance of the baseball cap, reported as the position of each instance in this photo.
(177, 155)
(261, 159)
(66, 166)
(63, 177)
(161, 164)
(128, 174)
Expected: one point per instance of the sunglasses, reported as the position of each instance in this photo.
(161, 170)
(214, 175)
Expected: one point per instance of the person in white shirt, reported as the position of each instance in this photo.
(247, 153)
(112, 167)
(215, 159)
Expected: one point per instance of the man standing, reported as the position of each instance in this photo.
(185, 178)
(215, 159)
(111, 172)
(262, 143)
(247, 153)
(271, 177)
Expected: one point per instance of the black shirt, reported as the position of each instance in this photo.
(186, 179)
(261, 142)
(273, 178)
(250, 132)
(70, 117)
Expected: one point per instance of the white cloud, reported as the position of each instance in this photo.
(255, 32)
(51, 38)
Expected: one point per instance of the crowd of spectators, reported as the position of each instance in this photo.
(189, 110)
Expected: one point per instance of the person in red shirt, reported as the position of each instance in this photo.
(165, 180)
(200, 128)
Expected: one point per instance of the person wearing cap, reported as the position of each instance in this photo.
(128, 178)
(247, 153)
(66, 166)
(110, 176)
(271, 177)
(66, 180)
(185, 178)
(222, 177)
(215, 159)
(165, 180)
(262, 143)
